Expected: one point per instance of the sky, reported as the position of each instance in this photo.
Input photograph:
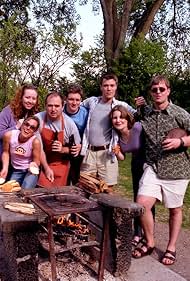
(90, 24)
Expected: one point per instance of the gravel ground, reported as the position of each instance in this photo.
(71, 270)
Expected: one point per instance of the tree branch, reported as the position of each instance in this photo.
(147, 18)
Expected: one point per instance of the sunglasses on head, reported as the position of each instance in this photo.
(155, 90)
(32, 127)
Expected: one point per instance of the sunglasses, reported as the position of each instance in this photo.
(155, 90)
(31, 127)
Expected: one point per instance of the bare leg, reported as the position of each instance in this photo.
(147, 222)
(175, 221)
(147, 219)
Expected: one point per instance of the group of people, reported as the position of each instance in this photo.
(50, 148)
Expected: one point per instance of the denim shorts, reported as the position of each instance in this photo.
(24, 178)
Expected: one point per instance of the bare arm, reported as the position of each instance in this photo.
(117, 151)
(48, 171)
(36, 151)
(5, 154)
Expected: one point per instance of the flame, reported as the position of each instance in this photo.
(63, 220)
(67, 222)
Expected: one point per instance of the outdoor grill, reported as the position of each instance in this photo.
(57, 206)
(102, 228)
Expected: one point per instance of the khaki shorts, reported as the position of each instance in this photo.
(100, 162)
(171, 192)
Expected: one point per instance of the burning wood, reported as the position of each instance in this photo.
(67, 234)
(93, 184)
(69, 224)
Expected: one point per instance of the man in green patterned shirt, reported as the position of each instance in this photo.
(167, 168)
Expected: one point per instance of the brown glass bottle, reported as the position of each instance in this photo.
(71, 141)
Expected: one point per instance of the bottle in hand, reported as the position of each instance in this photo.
(71, 141)
(55, 138)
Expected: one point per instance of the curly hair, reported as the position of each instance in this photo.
(125, 114)
(16, 104)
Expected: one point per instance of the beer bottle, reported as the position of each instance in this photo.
(71, 141)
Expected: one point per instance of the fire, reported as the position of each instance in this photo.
(64, 221)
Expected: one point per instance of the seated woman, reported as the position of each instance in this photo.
(22, 149)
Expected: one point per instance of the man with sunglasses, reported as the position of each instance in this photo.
(21, 149)
(167, 168)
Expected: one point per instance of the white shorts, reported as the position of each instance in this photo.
(100, 162)
(171, 192)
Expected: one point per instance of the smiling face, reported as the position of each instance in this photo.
(54, 107)
(118, 122)
(160, 93)
(29, 98)
(73, 101)
(108, 89)
(28, 128)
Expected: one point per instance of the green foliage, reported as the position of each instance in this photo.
(136, 66)
(180, 90)
(35, 50)
(88, 69)
(125, 180)
(16, 44)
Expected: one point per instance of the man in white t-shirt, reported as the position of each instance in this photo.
(98, 137)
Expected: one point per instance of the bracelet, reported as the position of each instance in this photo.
(182, 144)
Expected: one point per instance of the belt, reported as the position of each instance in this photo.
(98, 148)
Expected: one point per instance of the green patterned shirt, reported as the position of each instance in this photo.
(171, 164)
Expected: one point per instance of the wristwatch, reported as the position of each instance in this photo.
(182, 144)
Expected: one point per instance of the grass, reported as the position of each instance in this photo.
(125, 187)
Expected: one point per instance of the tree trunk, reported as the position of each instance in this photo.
(116, 25)
(115, 28)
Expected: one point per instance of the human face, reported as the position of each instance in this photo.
(73, 101)
(28, 128)
(29, 98)
(160, 93)
(54, 107)
(118, 122)
(108, 89)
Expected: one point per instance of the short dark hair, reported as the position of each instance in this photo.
(108, 76)
(74, 89)
(54, 94)
(33, 118)
(124, 114)
(156, 79)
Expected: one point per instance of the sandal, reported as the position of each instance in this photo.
(142, 251)
(169, 256)
(136, 240)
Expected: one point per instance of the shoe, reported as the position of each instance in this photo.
(142, 251)
(169, 255)
(136, 240)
